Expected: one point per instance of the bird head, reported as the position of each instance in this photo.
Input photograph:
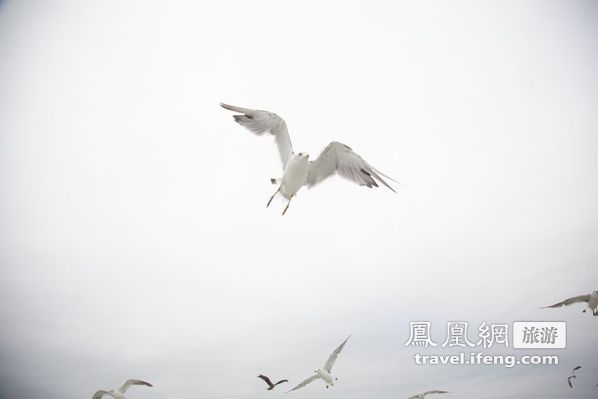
(303, 155)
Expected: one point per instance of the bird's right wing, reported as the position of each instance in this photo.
(101, 393)
(127, 384)
(305, 382)
(569, 381)
(339, 158)
(260, 122)
(569, 301)
(334, 355)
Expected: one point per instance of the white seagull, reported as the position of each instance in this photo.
(423, 394)
(591, 299)
(325, 372)
(120, 392)
(298, 170)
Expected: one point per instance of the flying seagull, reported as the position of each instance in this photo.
(270, 385)
(325, 372)
(298, 170)
(573, 376)
(569, 380)
(120, 392)
(423, 394)
(591, 299)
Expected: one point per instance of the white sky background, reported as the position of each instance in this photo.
(135, 238)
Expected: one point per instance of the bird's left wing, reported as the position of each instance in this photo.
(569, 301)
(340, 158)
(260, 122)
(434, 391)
(266, 379)
(305, 382)
(128, 384)
(334, 355)
(99, 394)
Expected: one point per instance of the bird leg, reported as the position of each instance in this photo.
(272, 197)
(287, 207)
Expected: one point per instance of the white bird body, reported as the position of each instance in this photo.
(593, 302)
(295, 175)
(298, 171)
(323, 374)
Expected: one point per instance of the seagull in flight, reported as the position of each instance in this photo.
(298, 170)
(423, 394)
(120, 392)
(270, 385)
(572, 377)
(591, 299)
(325, 372)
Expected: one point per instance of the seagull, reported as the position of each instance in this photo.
(270, 385)
(120, 392)
(572, 376)
(591, 299)
(423, 394)
(325, 372)
(569, 380)
(298, 170)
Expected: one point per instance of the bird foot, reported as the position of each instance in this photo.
(285, 209)
(272, 197)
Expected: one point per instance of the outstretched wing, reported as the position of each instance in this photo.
(569, 381)
(569, 301)
(280, 382)
(334, 355)
(128, 384)
(434, 391)
(260, 122)
(305, 382)
(101, 393)
(263, 377)
(340, 158)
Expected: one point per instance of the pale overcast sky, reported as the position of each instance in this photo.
(135, 240)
